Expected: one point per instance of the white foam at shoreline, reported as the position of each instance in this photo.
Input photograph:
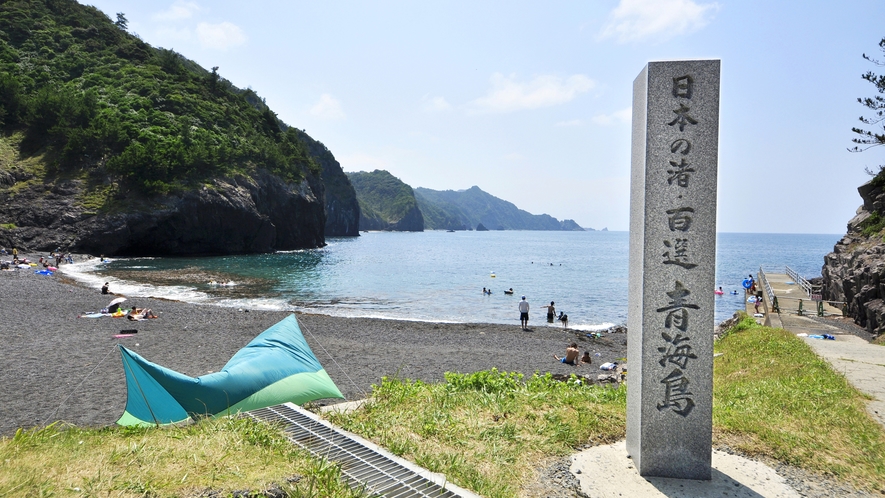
(85, 272)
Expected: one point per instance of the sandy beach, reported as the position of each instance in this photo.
(55, 366)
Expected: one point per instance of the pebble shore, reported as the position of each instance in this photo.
(55, 366)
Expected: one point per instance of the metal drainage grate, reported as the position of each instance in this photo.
(360, 465)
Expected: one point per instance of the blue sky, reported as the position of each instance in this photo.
(531, 100)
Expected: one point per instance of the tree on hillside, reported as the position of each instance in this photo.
(122, 23)
(876, 103)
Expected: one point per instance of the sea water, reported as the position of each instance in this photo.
(439, 276)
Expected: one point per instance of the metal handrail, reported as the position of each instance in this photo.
(767, 286)
(805, 284)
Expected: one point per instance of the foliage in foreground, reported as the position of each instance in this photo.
(488, 431)
(773, 396)
(223, 455)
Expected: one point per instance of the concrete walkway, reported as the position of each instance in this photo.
(862, 363)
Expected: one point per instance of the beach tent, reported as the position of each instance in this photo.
(275, 367)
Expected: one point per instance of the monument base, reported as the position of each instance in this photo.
(606, 471)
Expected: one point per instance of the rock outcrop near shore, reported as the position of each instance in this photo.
(231, 215)
(854, 273)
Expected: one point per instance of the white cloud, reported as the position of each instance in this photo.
(220, 36)
(634, 20)
(177, 12)
(435, 104)
(571, 122)
(328, 107)
(507, 94)
(622, 116)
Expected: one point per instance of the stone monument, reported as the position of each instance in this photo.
(672, 268)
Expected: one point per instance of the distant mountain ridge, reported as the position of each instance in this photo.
(465, 209)
(386, 203)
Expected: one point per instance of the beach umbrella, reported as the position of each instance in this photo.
(116, 301)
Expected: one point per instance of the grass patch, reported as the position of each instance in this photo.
(488, 431)
(773, 396)
(98, 198)
(221, 455)
(873, 225)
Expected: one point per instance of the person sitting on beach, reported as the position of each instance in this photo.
(571, 355)
(140, 313)
(104, 289)
(586, 358)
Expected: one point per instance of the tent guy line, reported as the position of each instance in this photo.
(72, 391)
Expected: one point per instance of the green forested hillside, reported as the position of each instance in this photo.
(386, 203)
(95, 99)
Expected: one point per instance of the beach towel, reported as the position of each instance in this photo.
(276, 367)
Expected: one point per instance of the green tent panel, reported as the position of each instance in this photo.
(275, 367)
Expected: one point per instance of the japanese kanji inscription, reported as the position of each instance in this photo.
(672, 268)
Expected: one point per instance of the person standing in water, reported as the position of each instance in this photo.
(524, 313)
(551, 312)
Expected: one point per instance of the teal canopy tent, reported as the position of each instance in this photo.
(275, 367)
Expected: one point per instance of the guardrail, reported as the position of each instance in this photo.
(765, 285)
(812, 291)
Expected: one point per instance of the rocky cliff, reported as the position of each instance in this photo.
(341, 206)
(112, 146)
(854, 273)
(230, 215)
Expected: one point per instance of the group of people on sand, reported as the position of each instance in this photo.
(551, 314)
(45, 261)
(571, 356)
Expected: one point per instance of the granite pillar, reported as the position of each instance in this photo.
(672, 268)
